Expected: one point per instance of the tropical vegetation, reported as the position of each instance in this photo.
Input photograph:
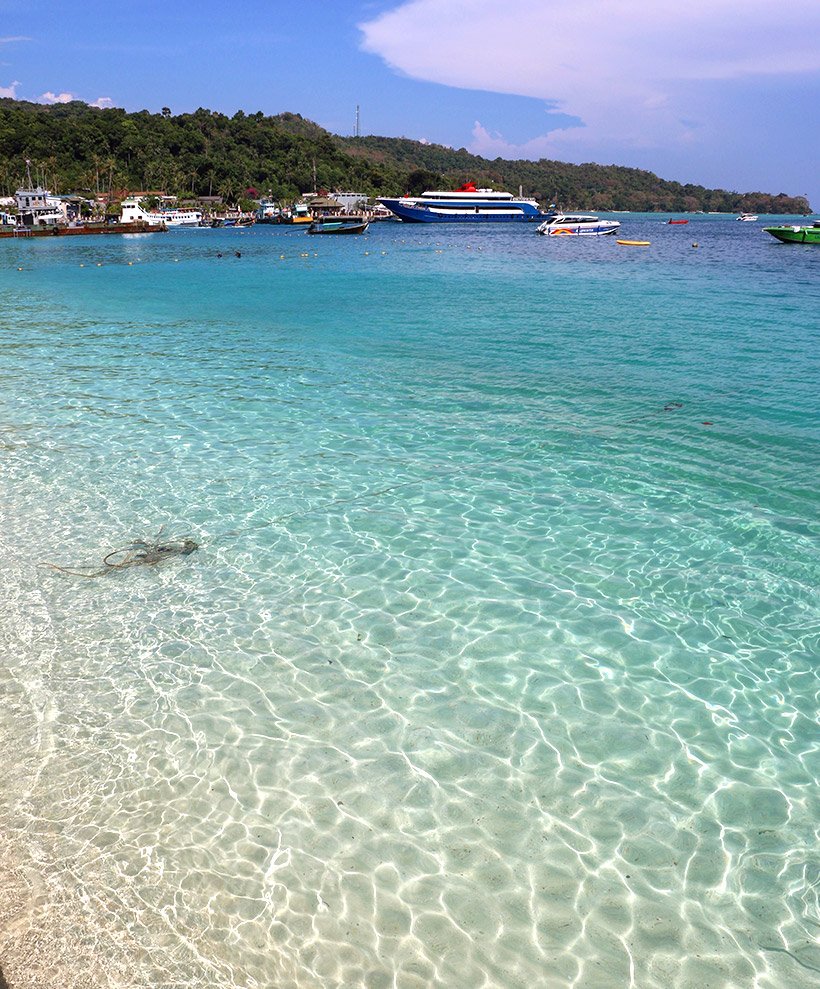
(74, 147)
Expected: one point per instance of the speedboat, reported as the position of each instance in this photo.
(795, 234)
(466, 204)
(575, 224)
(747, 217)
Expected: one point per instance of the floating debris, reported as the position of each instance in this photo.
(139, 553)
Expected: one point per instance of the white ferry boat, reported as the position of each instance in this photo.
(181, 217)
(464, 205)
(133, 212)
(577, 224)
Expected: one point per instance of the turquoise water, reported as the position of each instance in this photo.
(497, 663)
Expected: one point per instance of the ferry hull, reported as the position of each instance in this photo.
(463, 213)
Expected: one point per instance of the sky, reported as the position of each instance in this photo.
(722, 93)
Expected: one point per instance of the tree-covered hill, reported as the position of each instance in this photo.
(75, 147)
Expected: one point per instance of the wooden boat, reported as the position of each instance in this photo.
(338, 225)
(634, 243)
(796, 234)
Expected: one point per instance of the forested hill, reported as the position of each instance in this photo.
(78, 148)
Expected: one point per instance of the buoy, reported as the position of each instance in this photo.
(634, 243)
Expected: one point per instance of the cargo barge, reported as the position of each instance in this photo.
(87, 229)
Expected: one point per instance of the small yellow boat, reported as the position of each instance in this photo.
(634, 243)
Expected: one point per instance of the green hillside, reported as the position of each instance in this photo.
(78, 148)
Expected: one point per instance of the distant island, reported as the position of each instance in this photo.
(79, 148)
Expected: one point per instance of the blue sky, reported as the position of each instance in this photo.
(720, 92)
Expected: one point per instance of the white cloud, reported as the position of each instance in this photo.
(626, 68)
(57, 97)
(495, 146)
(10, 91)
(102, 102)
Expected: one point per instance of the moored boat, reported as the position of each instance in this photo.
(82, 230)
(796, 234)
(298, 213)
(338, 225)
(268, 211)
(466, 204)
(577, 224)
(180, 217)
(132, 211)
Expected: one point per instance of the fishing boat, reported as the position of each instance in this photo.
(338, 225)
(298, 213)
(747, 217)
(37, 207)
(576, 224)
(268, 211)
(795, 234)
(467, 204)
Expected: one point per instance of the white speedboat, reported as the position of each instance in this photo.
(747, 217)
(576, 224)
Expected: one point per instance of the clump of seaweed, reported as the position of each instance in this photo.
(139, 553)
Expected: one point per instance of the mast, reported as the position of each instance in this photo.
(358, 131)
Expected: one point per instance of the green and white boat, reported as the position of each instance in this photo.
(796, 234)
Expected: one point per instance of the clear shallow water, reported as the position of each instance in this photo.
(497, 665)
